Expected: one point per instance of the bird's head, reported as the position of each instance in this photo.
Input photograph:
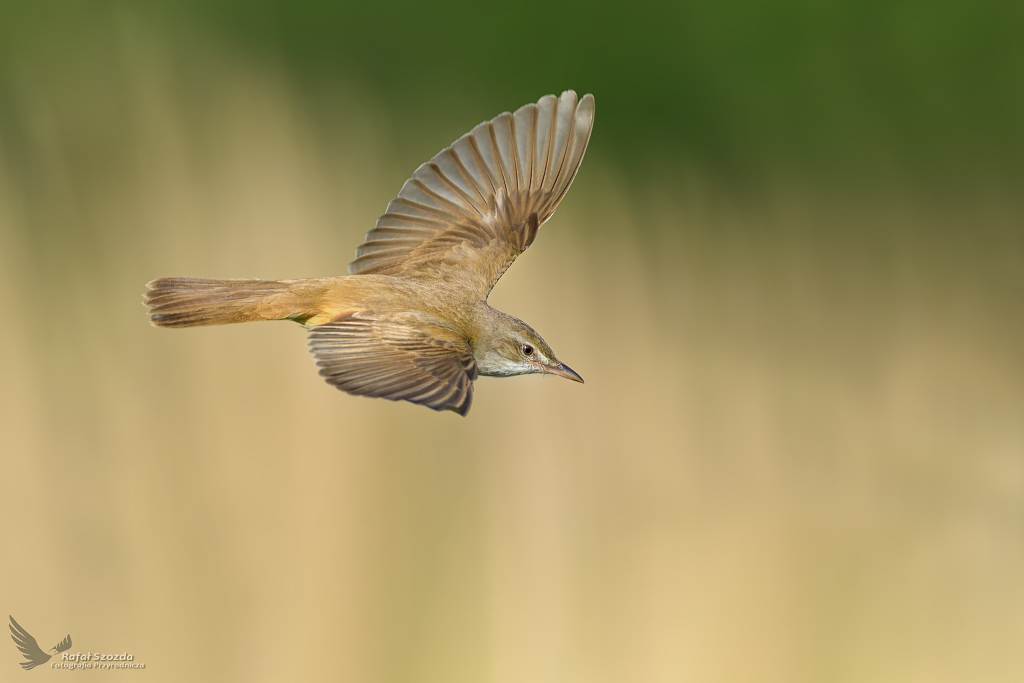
(514, 348)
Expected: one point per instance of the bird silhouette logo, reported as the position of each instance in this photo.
(30, 648)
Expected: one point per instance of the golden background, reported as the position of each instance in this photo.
(793, 280)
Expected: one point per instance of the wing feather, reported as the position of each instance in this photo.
(472, 209)
(405, 357)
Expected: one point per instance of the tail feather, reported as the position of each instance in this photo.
(189, 302)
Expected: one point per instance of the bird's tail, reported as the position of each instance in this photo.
(189, 302)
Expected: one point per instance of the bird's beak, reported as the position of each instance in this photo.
(563, 370)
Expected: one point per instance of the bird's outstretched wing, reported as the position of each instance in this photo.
(470, 211)
(64, 644)
(28, 646)
(405, 357)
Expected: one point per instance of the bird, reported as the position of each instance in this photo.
(411, 322)
(30, 648)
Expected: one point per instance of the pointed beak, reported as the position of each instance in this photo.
(563, 370)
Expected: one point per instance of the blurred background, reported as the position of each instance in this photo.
(791, 270)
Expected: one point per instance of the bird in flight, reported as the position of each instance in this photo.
(30, 648)
(411, 321)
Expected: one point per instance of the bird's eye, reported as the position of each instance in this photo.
(527, 350)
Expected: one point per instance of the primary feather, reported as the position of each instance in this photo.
(478, 204)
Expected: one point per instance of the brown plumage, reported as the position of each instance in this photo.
(411, 321)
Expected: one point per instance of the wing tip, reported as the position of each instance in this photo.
(574, 114)
(585, 111)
